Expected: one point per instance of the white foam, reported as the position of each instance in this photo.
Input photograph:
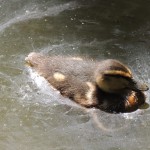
(41, 83)
(47, 90)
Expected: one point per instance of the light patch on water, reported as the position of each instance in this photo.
(131, 116)
(37, 14)
(41, 82)
(43, 87)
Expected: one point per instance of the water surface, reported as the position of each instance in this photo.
(35, 116)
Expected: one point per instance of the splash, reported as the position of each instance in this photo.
(51, 93)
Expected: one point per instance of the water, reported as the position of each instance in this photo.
(35, 116)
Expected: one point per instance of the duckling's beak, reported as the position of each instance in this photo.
(139, 86)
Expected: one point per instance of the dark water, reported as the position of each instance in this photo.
(35, 117)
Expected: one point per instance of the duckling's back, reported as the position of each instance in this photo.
(68, 67)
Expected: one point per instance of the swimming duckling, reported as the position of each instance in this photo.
(107, 85)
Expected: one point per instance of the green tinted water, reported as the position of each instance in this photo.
(34, 116)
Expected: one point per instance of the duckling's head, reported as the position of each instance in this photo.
(114, 77)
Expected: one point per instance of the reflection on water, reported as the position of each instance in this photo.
(35, 116)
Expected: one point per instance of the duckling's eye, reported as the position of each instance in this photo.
(107, 78)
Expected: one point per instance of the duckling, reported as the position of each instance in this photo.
(107, 85)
